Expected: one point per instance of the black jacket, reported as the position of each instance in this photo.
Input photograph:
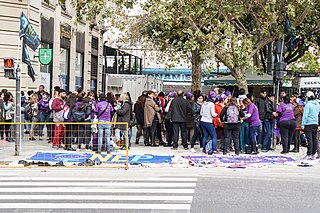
(124, 114)
(270, 108)
(261, 104)
(138, 109)
(179, 108)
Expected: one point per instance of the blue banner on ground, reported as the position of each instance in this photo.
(248, 159)
(82, 157)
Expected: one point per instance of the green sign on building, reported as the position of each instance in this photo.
(45, 56)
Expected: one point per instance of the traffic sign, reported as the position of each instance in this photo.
(45, 56)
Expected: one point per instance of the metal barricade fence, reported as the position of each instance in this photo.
(88, 139)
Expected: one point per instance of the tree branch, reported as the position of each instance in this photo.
(261, 44)
(300, 19)
(219, 56)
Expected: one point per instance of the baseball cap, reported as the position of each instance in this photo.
(188, 95)
(310, 94)
(171, 94)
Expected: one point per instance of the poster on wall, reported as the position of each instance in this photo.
(45, 80)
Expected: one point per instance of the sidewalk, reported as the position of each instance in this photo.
(29, 148)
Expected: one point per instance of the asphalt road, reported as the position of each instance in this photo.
(160, 190)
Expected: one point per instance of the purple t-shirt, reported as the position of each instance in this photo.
(286, 111)
(254, 119)
(100, 107)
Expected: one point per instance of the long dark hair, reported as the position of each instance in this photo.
(141, 100)
(6, 98)
(71, 102)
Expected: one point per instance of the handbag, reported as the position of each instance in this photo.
(133, 120)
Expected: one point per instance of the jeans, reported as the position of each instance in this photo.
(208, 128)
(84, 134)
(287, 129)
(297, 140)
(244, 135)
(107, 129)
(231, 132)
(267, 136)
(311, 133)
(7, 128)
(23, 120)
(260, 135)
(44, 117)
(123, 133)
(184, 134)
(253, 132)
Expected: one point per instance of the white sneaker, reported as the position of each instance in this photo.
(193, 150)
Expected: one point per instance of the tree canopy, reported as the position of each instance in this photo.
(235, 32)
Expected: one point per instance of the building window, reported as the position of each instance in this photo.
(79, 70)
(94, 73)
(64, 69)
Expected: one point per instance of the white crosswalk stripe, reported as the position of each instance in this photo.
(165, 194)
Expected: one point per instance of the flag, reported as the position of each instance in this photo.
(290, 38)
(31, 38)
(26, 60)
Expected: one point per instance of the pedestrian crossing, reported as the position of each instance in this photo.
(161, 194)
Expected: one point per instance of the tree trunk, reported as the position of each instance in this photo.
(239, 73)
(196, 71)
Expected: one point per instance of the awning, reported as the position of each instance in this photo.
(253, 79)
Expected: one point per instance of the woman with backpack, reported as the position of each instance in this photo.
(33, 102)
(287, 123)
(124, 114)
(44, 114)
(81, 114)
(231, 117)
(104, 111)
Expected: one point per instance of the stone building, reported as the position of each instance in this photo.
(77, 47)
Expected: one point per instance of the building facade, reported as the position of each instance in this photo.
(77, 47)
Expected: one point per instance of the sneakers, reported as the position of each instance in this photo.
(32, 139)
(193, 150)
(216, 152)
(40, 138)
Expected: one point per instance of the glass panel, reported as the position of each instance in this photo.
(79, 70)
(126, 64)
(111, 65)
(133, 65)
(64, 68)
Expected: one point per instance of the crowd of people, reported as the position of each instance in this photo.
(217, 121)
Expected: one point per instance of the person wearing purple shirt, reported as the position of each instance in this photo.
(252, 117)
(103, 111)
(44, 114)
(287, 123)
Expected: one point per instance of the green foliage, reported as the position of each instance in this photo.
(309, 62)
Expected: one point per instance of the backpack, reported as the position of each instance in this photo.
(232, 115)
(66, 112)
(79, 114)
(28, 112)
